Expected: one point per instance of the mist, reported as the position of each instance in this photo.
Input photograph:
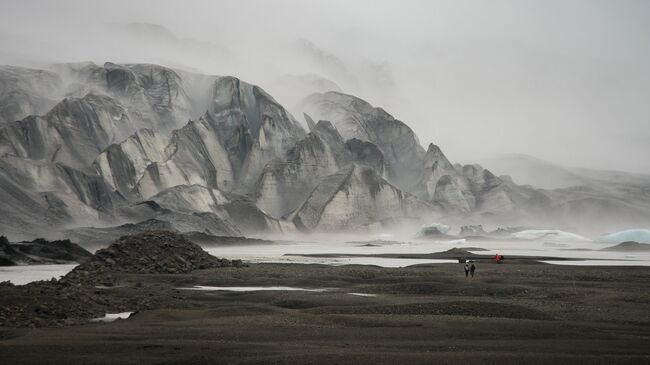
(565, 81)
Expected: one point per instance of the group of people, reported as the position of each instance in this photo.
(469, 269)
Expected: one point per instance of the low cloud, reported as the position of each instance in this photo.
(567, 81)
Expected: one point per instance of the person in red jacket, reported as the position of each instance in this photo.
(498, 259)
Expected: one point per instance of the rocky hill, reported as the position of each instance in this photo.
(89, 290)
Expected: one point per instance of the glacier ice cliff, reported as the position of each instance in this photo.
(103, 149)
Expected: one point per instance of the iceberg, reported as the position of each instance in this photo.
(554, 235)
(635, 235)
(433, 229)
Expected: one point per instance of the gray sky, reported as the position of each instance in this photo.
(566, 81)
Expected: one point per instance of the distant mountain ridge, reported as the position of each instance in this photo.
(526, 169)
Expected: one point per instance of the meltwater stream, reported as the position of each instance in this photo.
(20, 275)
(333, 252)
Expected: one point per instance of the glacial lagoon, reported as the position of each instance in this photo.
(336, 249)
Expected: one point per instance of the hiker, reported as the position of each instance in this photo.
(466, 270)
(472, 269)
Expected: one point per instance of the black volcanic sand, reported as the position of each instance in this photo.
(518, 312)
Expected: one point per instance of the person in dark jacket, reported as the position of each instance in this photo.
(466, 269)
(472, 269)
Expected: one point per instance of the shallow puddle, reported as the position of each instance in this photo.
(363, 294)
(21, 275)
(598, 262)
(253, 288)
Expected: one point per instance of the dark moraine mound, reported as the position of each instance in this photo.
(8, 255)
(148, 253)
(209, 240)
(629, 246)
(82, 294)
(59, 250)
(95, 238)
(459, 253)
(40, 251)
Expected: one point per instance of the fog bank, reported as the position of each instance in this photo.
(566, 81)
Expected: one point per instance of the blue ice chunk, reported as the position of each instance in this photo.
(433, 229)
(636, 235)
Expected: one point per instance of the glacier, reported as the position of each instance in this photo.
(150, 146)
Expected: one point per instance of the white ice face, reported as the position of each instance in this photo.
(634, 235)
